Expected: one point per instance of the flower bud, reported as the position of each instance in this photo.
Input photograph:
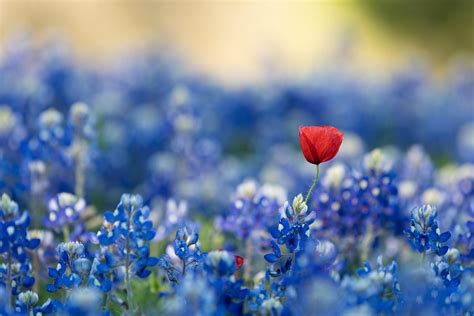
(299, 205)
(29, 298)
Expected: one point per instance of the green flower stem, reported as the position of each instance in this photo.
(8, 282)
(131, 308)
(80, 168)
(66, 233)
(184, 267)
(312, 186)
(248, 259)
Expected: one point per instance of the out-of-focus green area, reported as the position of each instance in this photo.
(237, 41)
(443, 27)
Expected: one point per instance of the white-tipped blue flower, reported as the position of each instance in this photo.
(29, 298)
(131, 201)
(79, 114)
(377, 161)
(7, 120)
(8, 206)
(221, 262)
(63, 209)
(424, 233)
(424, 217)
(334, 176)
(82, 266)
(74, 249)
(271, 306)
(50, 118)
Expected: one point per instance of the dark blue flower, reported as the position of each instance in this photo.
(424, 233)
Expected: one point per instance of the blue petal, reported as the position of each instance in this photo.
(444, 237)
(52, 272)
(270, 257)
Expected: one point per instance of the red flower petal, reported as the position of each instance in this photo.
(319, 143)
(239, 261)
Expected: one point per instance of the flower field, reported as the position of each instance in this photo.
(142, 188)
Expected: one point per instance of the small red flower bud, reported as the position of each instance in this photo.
(319, 143)
(239, 261)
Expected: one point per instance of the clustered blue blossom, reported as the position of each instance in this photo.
(129, 231)
(64, 209)
(293, 230)
(424, 233)
(73, 267)
(252, 209)
(377, 287)
(15, 242)
(213, 242)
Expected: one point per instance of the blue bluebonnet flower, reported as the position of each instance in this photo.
(46, 251)
(9, 122)
(449, 269)
(14, 237)
(51, 128)
(253, 209)
(183, 256)
(378, 287)
(271, 306)
(230, 293)
(105, 272)
(259, 292)
(316, 257)
(127, 232)
(81, 120)
(266, 295)
(193, 296)
(14, 243)
(355, 203)
(464, 240)
(73, 267)
(170, 218)
(456, 192)
(224, 293)
(167, 264)
(20, 274)
(181, 146)
(416, 165)
(13, 135)
(293, 229)
(38, 181)
(64, 209)
(186, 248)
(3, 302)
(83, 133)
(27, 304)
(424, 233)
(130, 231)
(220, 262)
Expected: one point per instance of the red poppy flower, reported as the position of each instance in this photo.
(319, 143)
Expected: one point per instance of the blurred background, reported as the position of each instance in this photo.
(188, 98)
(241, 41)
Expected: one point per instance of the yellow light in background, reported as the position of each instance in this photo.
(234, 41)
